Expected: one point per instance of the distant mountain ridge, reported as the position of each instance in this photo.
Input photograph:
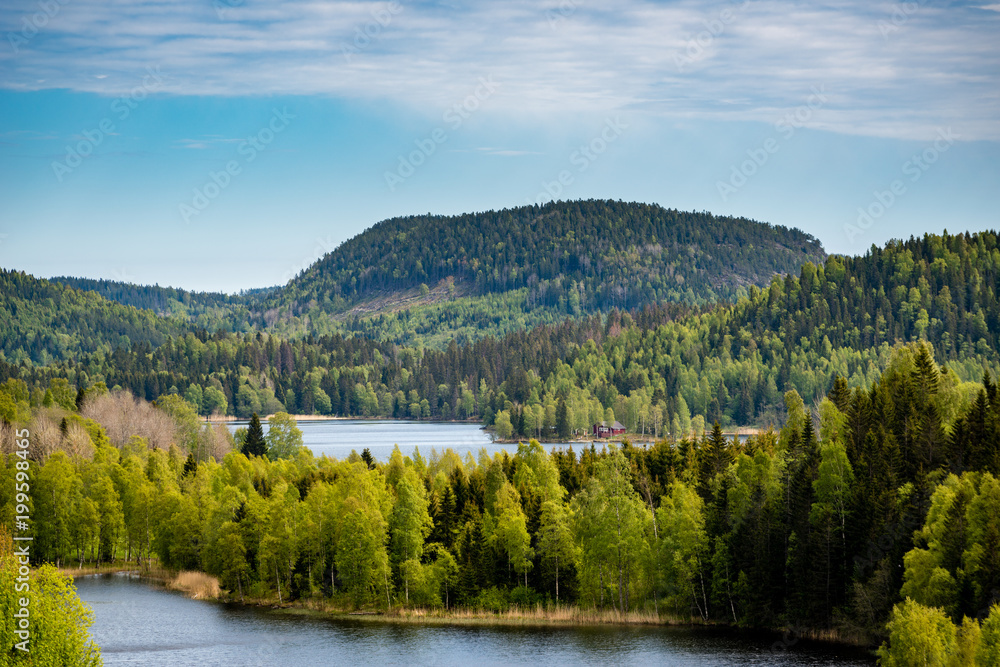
(425, 280)
(207, 310)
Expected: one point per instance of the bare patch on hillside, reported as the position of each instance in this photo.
(393, 302)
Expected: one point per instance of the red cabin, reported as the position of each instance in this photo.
(602, 430)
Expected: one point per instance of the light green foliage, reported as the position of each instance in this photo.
(555, 537)
(796, 410)
(502, 425)
(511, 532)
(185, 418)
(989, 638)
(683, 549)
(247, 401)
(410, 524)
(361, 555)
(918, 635)
(833, 485)
(612, 523)
(284, 438)
(60, 622)
(214, 401)
(227, 556)
(968, 640)
(279, 546)
(58, 490)
(953, 547)
(537, 471)
(362, 560)
(63, 393)
(14, 402)
(441, 576)
(194, 395)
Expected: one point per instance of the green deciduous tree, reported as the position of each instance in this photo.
(59, 621)
(409, 525)
(918, 635)
(683, 549)
(555, 537)
(284, 438)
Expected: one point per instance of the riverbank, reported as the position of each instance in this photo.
(201, 586)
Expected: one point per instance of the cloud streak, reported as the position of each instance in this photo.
(937, 66)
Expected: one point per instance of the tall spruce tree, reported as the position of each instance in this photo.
(255, 444)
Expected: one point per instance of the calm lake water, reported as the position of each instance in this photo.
(337, 437)
(139, 624)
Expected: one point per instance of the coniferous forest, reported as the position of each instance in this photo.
(863, 508)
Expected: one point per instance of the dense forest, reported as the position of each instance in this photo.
(664, 369)
(43, 322)
(880, 494)
(206, 310)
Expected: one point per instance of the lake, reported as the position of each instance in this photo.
(140, 624)
(337, 437)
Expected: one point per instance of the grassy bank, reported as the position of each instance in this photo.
(568, 615)
(201, 586)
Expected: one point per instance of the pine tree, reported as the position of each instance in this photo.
(366, 456)
(840, 394)
(255, 444)
(714, 458)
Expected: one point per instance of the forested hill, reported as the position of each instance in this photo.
(584, 256)
(45, 321)
(658, 369)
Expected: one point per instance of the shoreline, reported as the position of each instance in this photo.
(228, 419)
(200, 586)
(634, 438)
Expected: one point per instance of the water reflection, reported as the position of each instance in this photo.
(138, 624)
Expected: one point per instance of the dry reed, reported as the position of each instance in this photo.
(197, 585)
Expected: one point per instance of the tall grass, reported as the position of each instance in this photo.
(537, 615)
(197, 585)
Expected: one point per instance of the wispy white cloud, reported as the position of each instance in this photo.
(506, 152)
(898, 70)
(204, 143)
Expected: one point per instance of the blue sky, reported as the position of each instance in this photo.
(226, 144)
